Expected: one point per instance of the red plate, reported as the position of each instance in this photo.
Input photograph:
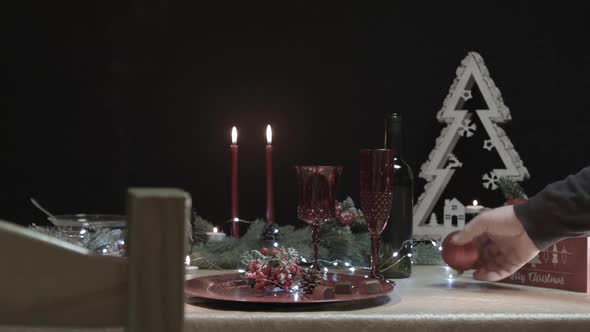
(232, 287)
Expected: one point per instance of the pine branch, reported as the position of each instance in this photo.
(510, 188)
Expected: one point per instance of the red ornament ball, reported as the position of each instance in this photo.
(459, 257)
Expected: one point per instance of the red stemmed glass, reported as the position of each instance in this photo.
(376, 175)
(316, 199)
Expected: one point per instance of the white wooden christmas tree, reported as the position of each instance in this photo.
(442, 163)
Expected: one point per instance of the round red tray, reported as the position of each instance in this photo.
(233, 287)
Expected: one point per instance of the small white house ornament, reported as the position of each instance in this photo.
(454, 213)
(442, 163)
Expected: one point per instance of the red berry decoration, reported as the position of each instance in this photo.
(459, 257)
(274, 268)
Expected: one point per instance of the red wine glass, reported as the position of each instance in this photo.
(316, 199)
(376, 177)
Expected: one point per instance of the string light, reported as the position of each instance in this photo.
(391, 261)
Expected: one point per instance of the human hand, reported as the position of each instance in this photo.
(504, 244)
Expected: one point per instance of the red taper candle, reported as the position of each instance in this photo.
(235, 227)
(270, 210)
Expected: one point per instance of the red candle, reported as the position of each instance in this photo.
(235, 227)
(270, 211)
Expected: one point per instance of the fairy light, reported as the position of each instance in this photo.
(325, 269)
(395, 254)
(276, 244)
(346, 264)
(335, 263)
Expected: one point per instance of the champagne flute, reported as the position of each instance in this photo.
(316, 199)
(376, 183)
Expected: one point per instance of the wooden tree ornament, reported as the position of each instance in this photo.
(458, 124)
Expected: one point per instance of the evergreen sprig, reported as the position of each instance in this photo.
(510, 188)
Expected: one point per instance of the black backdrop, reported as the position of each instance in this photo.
(105, 95)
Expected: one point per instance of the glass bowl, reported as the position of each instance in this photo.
(104, 234)
(89, 220)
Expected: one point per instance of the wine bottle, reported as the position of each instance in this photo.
(396, 249)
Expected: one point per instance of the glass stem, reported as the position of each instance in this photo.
(376, 247)
(315, 234)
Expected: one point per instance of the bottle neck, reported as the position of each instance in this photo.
(393, 135)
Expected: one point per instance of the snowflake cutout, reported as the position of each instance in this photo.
(466, 95)
(488, 145)
(467, 128)
(490, 181)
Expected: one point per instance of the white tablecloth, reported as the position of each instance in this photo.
(428, 301)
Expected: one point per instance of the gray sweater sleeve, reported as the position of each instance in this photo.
(560, 210)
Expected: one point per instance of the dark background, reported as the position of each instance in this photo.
(100, 96)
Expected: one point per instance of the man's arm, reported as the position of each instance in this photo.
(560, 210)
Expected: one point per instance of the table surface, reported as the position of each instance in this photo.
(428, 301)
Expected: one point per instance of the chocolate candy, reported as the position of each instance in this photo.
(343, 287)
(371, 286)
(323, 293)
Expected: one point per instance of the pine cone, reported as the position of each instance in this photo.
(310, 279)
(270, 233)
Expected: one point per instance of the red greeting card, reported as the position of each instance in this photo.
(564, 265)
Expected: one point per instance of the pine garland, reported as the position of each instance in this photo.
(337, 243)
(510, 188)
(344, 240)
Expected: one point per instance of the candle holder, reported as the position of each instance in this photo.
(471, 211)
(215, 235)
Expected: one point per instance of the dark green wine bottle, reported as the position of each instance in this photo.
(396, 250)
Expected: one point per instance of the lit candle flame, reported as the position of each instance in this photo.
(234, 135)
(268, 135)
(215, 229)
(475, 202)
(187, 260)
